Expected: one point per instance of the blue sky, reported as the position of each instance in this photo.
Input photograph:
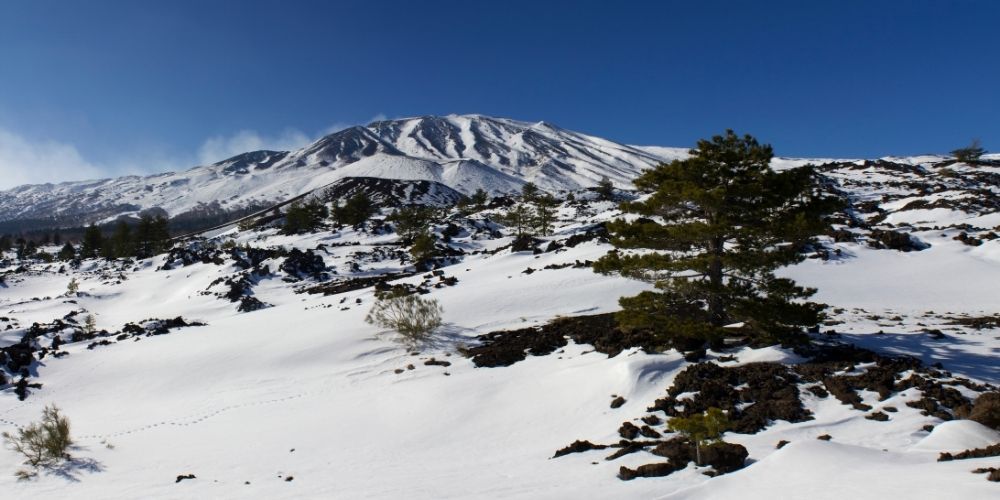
(107, 87)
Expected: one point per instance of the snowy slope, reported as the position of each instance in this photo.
(305, 389)
(465, 152)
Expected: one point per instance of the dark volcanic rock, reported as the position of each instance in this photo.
(770, 387)
(724, 457)
(992, 450)
(301, 264)
(877, 416)
(350, 285)
(678, 450)
(578, 447)
(628, 430)
(896, 240)
(649, 470)
(986, 410)
(249, 303)
(508, 347)
(505, 348)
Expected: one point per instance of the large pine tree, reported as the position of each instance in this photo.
(710, 235)
(93, 242)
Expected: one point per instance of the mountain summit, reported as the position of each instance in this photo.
(463, 152)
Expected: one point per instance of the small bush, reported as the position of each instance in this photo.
(247, 224)
(43, 444)
(702, 428)
(90, 323)
(413, 317)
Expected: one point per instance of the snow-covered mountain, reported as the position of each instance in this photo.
(463, 152)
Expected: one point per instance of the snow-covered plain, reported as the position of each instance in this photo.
(306, 390)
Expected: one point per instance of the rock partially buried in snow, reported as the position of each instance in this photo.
(957, 435)
(817, 470)
(986, 410)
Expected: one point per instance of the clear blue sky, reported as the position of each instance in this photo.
(144, 85)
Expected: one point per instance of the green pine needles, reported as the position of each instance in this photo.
(701, 428)
(710, 235)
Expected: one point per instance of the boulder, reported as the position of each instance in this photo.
(724, 457)
(986, 410)
(648, 470)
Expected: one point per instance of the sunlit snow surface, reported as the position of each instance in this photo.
(306, 389)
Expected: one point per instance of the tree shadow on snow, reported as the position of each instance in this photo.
(960, 354)
(74, 468)
(448, 337)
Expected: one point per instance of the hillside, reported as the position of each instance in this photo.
(270, 384)
(463, 152)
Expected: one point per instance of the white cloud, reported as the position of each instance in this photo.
(219, 148)
(338, 126)
(31, 162)
(28, 161)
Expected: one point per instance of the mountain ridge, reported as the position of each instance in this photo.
(462, 152)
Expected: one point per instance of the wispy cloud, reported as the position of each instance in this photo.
(32, 161)
(23, 161)
(338, 126)
(221, 147)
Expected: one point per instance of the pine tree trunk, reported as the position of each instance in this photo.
(716, 307)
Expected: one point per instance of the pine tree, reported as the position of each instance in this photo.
(413, 221)
(160, 234)
(423, 249)
(718, 224)
(305, 217)
(479, 199)
(970, 153)
(90, 324)
(144, 237)
(545, 214)
(93, 241)
(5, 243)
(605, 189)
(151, 236)
(701, 428)
(529, 191)
(122, 244)
(521, 218)
(355, 211)
(107, 249)
(26, 249)
(67, 252)
(296, 219)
